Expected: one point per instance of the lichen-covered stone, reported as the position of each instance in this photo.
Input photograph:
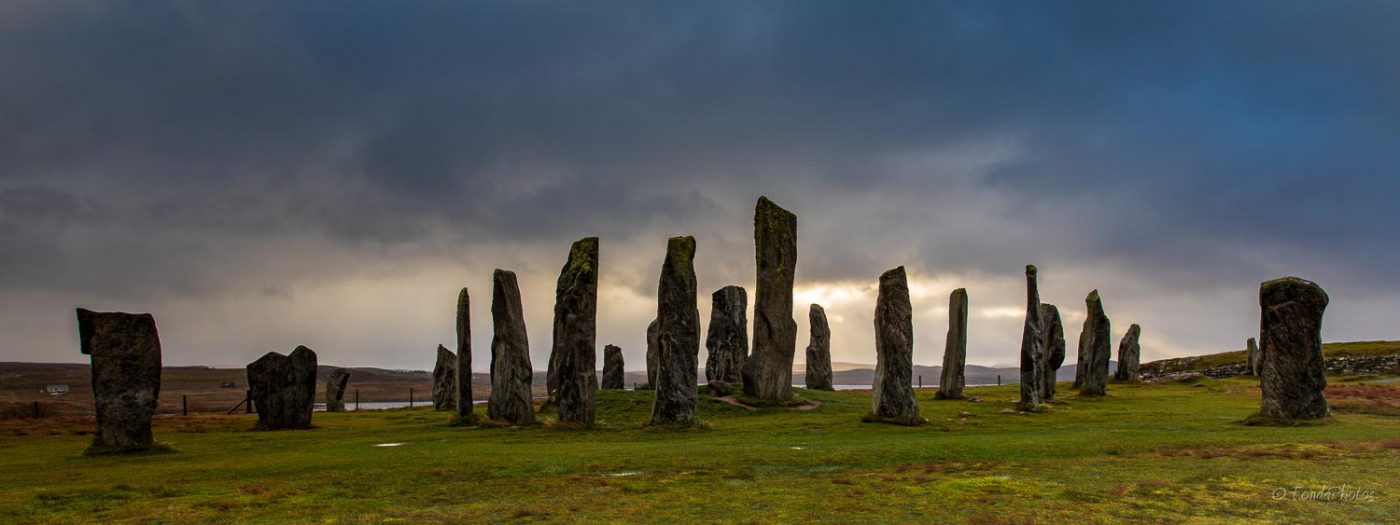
(612, 368)
(444, 374)
(728, 339)
(1052, 332)
(1290, 341)
(653, 355)
(462, 384)
(575, 334)
(126, 360)
(678, 337)
(1251, 365)
(768, 370)
(952, 379)
(818, 376)
(1095, 348)
(284, 388)
(336, 379)
(1129, 356)
(510, 354)
(1032, 346)
(892, 399)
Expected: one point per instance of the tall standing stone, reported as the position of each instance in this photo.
(125, 350)
(1251, 364)
(1032, 346)
(818, 376)
(1129, 355)
(768, 370)
(576, 334)
(444, 374)
(1052, 331)
(336, 380)
(952, 379)
(510, 354)
(728, 339)
(612, 368)
(284, 388)
(653, 355)
(1290, 337)
(892, 400)
(678, 335)
(1095, 348)
(462, 385)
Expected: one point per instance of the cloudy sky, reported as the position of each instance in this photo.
(260, 175)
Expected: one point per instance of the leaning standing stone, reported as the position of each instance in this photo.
(952, 379)
(125, 350)
(678, 332)
(768, 370)
(892, 400)
(727, 341)
(1052, 331)
(462, 386)
(1290, 333)
(653, 355)
(335, 389)
(1251, 365)
(576, 334)
(510, 354)
(444, 373)
(284, 388)
(1129, 355)
(1032, 346)
(818, 376)
(612, 368)
(1095, 348)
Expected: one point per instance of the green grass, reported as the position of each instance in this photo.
(1146, 453)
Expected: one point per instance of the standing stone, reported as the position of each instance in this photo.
(284, 388)
(462, 387)
(125, 350)
(335, 389)
(1053, 333)
(952, 380)
(612, 368)
(893, 398)
(444, 374)
(653, 355)
(576, 334)
(818, 375)
(1129, 355)
(510, 354)
(768, 370)
(678, 335)
(728, 339)
(1032, 346)
(1251, 365)
(1290, 337)
(1095, 348)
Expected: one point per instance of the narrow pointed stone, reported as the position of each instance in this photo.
(336, 380)
(1290, 337)
(1053, 333)
(125, 353)
(284, 388)
(462, 387)
(653, 355)
(1095, 348)
(952, 379)
(444, 374)
(678, 336)
(510, 354)
(818, 376)
(612, 368)
(1251, 365)
(1032, 346)
(892, 399)
(1129, 355)
(576, 334)
(728, 339)
(768, 370)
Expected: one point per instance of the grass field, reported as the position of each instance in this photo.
(1173, 453)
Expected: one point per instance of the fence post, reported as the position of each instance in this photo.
(248, 401)
(410, 397)
(998, 379)
(921, 380)
(184, 405)
(357, 400)
(36, 410)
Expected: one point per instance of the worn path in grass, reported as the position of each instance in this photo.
(1158, 453)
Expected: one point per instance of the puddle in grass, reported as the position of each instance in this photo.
(389, 445)
(623, 473)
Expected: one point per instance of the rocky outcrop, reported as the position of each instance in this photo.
(678, 335)
(125, 353)
(575, 334)
(1095, 348)
(283, 388)
(892, 398)
(612, 368)
(1032, 346)
(336, 379)
(727, 341)
(1370, 365)
(510, 354)
(768, 370)
(1290, 332)
(444, 374)
(1052, 331)
(462, 383)
(1129, 354)
(952, 378)
(1251, 364)
(818, 376)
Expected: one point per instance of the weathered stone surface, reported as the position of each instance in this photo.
(818, 376)
(612, 368)
(892, 400)
(510, 354)
(284, 388)
(576, 334)
(444, 375)
(1251, 364)
(1032, 346)
(768, 370)
(1052, 331)
(720, 388)
(728, 339)
(462, 384)
(1290, 341)
(336, 380)
(952, 380)
(1095, 348)
(678, 335)
(653, 355)
(1129, 356)
(125, 350)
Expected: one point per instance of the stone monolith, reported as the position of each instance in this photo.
(727, 341)
(612, 368)
(1095, 348)
(576, 334)
(1053, 333)
(1129, 356)
(462, 383)
(125, 353)
(336, 379)
(678, 336)
(768, 370)
(1251, 364)
(952, 379)
(1032, 346)
(284, 388)
(444, 374)
(510, 354)
(892, 399)
(818, 376)
(1290, 343)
